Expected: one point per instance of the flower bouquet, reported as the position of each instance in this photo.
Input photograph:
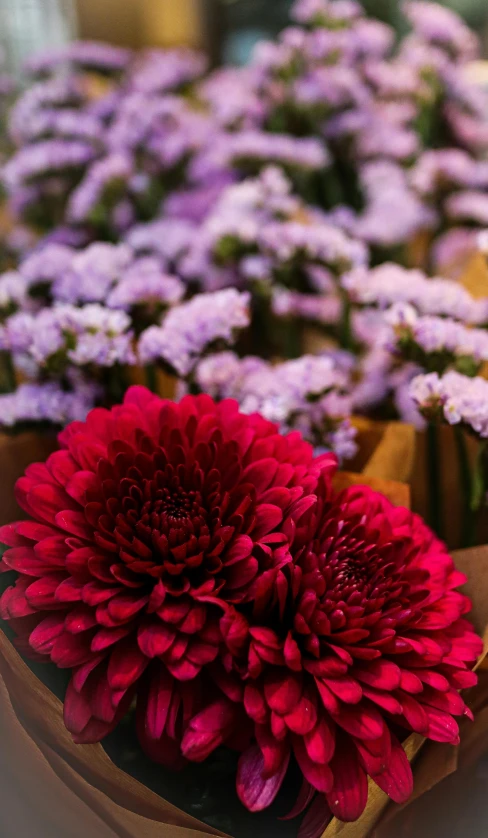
(220, 614)
(212, 584)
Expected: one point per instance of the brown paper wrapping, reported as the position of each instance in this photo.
(63, 788)
(142, 23)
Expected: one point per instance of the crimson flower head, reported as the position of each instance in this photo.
(151, 521)
(367, 643)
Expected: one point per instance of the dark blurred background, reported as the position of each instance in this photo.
(227, 28)
(246, 21)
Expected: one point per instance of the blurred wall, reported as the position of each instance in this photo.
(143, 22)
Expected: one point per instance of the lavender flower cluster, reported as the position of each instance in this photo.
(435, 341)
(98, 135)
(454, 399)
(310, 394)
(193, 328)
(182, 213)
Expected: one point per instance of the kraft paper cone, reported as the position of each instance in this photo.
(475, 277)
(71, 788)
(165, 384)
(16, 453)
(386, 449)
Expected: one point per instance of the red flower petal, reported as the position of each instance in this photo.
(397, 781)
(126, 665)
(349, 796)
(255, 792)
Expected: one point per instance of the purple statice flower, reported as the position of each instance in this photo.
(325, 309)
(145, 283)
(388, 284)
(222, 375)
(55, 93)
(372, 379)
(454, 398)
(309, 394)
(392, 79)
(107, 175)
(13, 293)
(259, 231)
(235, 221)
(46, 265)
(369, 327)
(286, 242)
(400, 381)
(373, 39)
(439, 338)
(164, 130)
(19, 241)
(430, 62)
(16, 334)
(438, 170)
(46, 402)
(382, 137)
(470, 131)
(74, 237)
(92, 273)
(255, 149)
(230, 93)
(441, 27)
(169, 145)
(393, 212)
(98, 56)
(195, 203)
(103, 337)
(44, 63)
(190, 329)
(332, 88)
(468, 205)
(63, 123)
(49, 157)
(162, 71)
(63, 335)
(168, 239)
(326, 12)
(89, 55)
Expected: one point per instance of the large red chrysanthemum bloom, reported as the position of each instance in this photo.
(152, 520)
(367, 643)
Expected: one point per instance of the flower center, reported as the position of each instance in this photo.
(171, 507)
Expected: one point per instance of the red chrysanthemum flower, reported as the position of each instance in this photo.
(152, 520)
(367, 643)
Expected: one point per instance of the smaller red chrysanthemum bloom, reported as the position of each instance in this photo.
(367, 643)
(152, 520)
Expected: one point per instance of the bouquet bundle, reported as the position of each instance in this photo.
(217, 309)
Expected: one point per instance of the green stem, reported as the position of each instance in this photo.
(7, 373)
(293, 338)
(151, 378)
(468, 531)
(434, 477)
(345, 326)
(193, 388)
(479, 483)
